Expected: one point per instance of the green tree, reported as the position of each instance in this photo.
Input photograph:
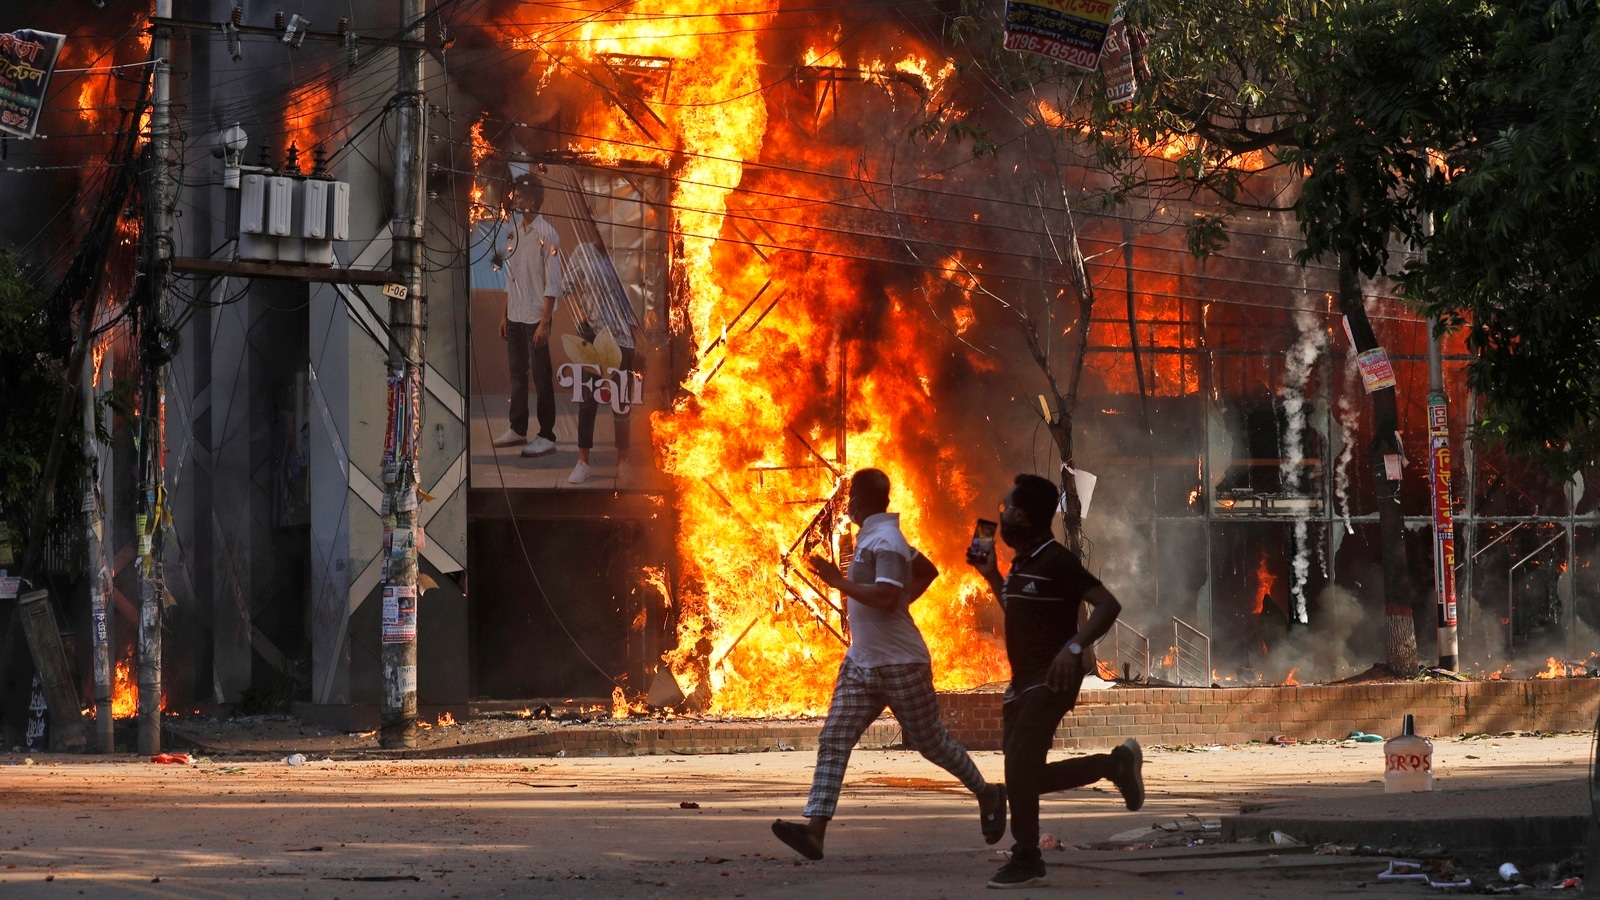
(1515, 258)
(30, 397)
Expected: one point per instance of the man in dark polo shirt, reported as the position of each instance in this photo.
(1042, 596)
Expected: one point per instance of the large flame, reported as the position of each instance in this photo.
(809, 364)
(756, 446)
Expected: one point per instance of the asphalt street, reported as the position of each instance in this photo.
(630, 827)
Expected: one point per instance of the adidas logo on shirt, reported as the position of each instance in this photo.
(1030, 588)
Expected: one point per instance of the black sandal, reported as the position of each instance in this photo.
(994, 823)
(799, 840)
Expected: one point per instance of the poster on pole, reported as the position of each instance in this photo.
(1069, 31)
(27, 60)
(1443, 524)
(1376, 372)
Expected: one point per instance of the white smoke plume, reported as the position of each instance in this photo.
(1346, 414)
(1299, 364)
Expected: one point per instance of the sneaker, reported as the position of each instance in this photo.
(510, 439)
(539, 446)
(1130, 775)
(580, 473)
(1018, 875)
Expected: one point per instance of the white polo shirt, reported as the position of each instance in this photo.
(533, 268)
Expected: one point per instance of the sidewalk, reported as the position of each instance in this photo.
(1480, 825)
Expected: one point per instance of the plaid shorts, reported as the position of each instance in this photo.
(859, 697)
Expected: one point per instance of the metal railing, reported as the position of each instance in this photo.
(1191, 651)
(1130, 653)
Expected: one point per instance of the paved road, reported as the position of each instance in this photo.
(593, 828)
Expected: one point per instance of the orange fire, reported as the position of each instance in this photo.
(1289, 679)
(480, 151)
(446, 720)
(124, 692)
(125, 689)
(1105, 670)
(1265, 579)
(1171, 659)
(753, 458)
(839, 372)
(622, 708)
(1554, 668)
(308, 119)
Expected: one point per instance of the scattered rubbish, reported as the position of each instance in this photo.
(1332, 849)
(688, 804)
(1403, 870)
(1446, 673)
(1465, 882)
(297, 759)
(172, 759)
(1573, 882)
(371, 878)
(532, 785)
(316, 849)
(1510, 872)
(715, 860)
(1361, 737)
(1283, 740)
(1048, 841)
(28, 761)
(1285, 840)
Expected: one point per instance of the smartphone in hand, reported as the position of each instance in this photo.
(982, 547)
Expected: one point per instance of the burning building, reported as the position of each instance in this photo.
(829, 247)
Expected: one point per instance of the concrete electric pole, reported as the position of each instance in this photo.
(398, 712)
(151, 502)
(1444, 531)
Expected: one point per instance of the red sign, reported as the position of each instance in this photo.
(1444, 569)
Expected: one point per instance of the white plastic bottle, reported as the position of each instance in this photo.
(1408, 761)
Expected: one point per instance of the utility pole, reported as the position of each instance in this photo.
(151, 503)
(1444, 529)
(1441, 503)
(101, 620)
(402, 525)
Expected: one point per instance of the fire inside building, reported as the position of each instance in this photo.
(779, 262)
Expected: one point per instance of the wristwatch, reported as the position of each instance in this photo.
(1075, 648)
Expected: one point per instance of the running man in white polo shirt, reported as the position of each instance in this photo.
(887, 665)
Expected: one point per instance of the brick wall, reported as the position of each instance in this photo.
(1326, 712)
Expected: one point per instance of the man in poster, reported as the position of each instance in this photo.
(532, 258)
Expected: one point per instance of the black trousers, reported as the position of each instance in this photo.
(591, 406)
(521, 354)
(1030, 721)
